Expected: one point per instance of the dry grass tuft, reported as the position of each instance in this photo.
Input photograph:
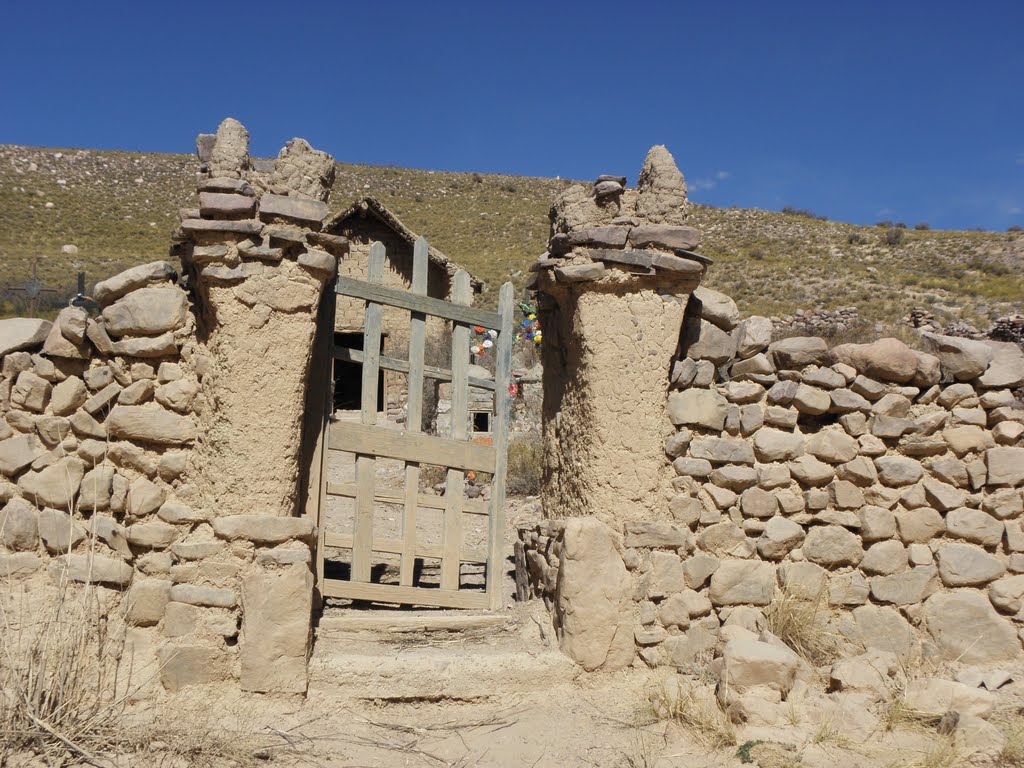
(61, 680)
(1011, 725)
(695, 708)
(805, 626)
(942, 754)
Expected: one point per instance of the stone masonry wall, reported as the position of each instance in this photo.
(152, 445)
(883, 481)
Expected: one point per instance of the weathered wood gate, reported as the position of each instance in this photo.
(370, 442)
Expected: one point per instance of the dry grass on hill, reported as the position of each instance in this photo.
(119, 208)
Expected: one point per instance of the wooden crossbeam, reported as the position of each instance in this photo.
(390, 593)
(401, 366)
(369, 440)
(395, 297)
(382, 496)
(397, 547)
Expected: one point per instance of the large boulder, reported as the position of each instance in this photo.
(717, 308)
(885, 359)
(698, 407)
(752, 336)
(230, 155)
(967, 628)
(1006, 368)
(593, 598)
(752, 663)
(742, 582)
(55, 485)
(964, 359)
(150, 425)
(706, 341)
(832, 546)
(147, 312)
(798, 352)
(19, 333)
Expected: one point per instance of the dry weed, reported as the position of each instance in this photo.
(1011, 725)
(805, 626)
(696, 708)
(61, 680)
(942, 754)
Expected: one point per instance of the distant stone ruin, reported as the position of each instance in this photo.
(696, 471)
(158, 446)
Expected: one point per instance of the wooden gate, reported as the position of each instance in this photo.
(376, 446)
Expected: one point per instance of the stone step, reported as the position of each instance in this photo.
(433, 656)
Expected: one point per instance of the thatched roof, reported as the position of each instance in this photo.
(373, 207)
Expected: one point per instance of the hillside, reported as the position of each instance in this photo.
(118, 208)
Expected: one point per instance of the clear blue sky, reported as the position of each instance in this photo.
(861, 111)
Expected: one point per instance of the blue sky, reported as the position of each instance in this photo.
(902, 110)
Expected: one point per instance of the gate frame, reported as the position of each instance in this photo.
(411, 445)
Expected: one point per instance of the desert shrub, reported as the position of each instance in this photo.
(1015, 228)
(922, 226)
(804, 212)
(696, 708)
(884, 224)
(893, 236)
(900, 225)
(525, 459)
(509, 187)
(856, 238)
(478, 179)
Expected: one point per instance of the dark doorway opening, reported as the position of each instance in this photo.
(348, 376)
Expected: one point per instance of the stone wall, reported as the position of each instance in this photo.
(153, 444)
(883, 481)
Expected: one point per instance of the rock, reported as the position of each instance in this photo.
(907, 588)
(810, 471)
(964, 359)
(811, 400)
(95, 490)
(263, 529)
(943, 496)
(68, 396)
(965, 627)
(934, 697)
(203, 596)
(155, 535)
(798, 352)
(665, 575)
(19, 527)
(739, 582)
(963, 565)
(885, 557)
(847, 401)
(779, 538)
(177, 395)
(657, 535)
(18, 452)
(975, 526)
(967, 439)
(752, 336)
(873, 671)
(184, 665)
(662, 189)
(110, 533)
(147, 312)
(229, 157)
(92, 568)
(147, 601)
(883, 628)
(150, 425)
(1005, 465)
(593, 610)
(974, 737)
(832, 546)
(751, 663)
(143, 346)
(698, 407)
(664, 237)
(55, 485)
(112, 289)
(278, 292)
(756, 502)
(716, 308)
(758, 364)
(60, 532)
(217, 204)
(734, 478)
(876, 523)
(1007, 594)
(30, 392)
(19, 333)
(722, 450)
(775, 445)
(897, 471)
(687, 467)
(919, 525)
(1006, 369)
(305, 211)
(711, 343)
(303, 170)
(832, 446)
(886, 359)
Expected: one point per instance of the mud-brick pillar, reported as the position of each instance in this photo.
(258, 266)
(612, 292)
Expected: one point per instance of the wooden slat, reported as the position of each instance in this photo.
(382, 496)
(366, 465)
(407, 446)
(414, 411)
(397, 547)
(390, 593)
(455, 484)
(324, 377)
(401, 366)
(502, 407)
(395, 297)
